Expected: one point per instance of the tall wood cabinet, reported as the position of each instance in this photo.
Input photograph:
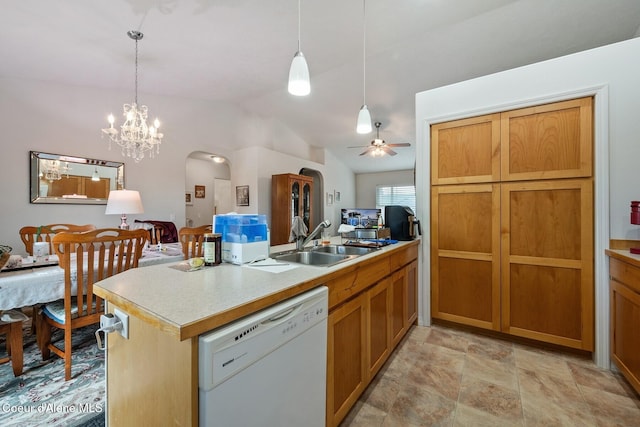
(291, 196)
(512, 222)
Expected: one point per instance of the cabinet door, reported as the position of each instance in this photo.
(411, 283)
(378, 326)
(346, 357)
(547, 261)
(466, 151)
(398, 306)
(465, 254)
(306, 204)
(295, 191)
(625, 341)
(548, 141)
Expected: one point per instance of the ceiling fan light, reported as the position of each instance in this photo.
(299, 81)
(364, 121)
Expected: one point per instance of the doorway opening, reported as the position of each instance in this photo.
(207, 188)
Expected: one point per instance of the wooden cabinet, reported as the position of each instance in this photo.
(511, 234)
(466, 151)
(370, 311)
(465, 254)
(378, 326)
(346, 357)
(624, 288)
(291, 196)
(547, 261)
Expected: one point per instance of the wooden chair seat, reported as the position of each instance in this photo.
(96, 255)
(11, 325)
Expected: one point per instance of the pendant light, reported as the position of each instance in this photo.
(364, 117)
(299, 82)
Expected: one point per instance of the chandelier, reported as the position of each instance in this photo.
(135, 137)
(52, 170)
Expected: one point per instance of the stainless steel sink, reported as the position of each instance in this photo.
(344, 250)
(316, 258)
(323, 256)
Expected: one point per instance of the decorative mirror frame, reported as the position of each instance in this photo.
(47, 168)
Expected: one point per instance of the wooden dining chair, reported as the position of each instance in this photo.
(30, 234)
(86, 258)
(11, 326)
(191, 239)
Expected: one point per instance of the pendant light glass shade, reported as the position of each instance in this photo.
(364, 120)
(299, 82)
(364, 117)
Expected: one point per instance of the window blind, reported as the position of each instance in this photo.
(404, 195)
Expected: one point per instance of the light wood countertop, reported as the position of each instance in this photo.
(624, 255)
(187, 304)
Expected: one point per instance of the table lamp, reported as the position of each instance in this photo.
(123, 202)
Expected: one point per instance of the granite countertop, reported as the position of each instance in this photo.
(189, 303)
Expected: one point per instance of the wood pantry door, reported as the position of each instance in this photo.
(547, 261)
(465, 254)
(512, 222)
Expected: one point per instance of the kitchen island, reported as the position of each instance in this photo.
(152, 377)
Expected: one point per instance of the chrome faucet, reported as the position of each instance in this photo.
(302, 241)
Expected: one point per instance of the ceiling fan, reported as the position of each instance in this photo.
(379, 147)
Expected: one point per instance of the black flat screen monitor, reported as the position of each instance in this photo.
(367, 217)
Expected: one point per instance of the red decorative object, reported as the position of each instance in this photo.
(635, 212)
(635, 219)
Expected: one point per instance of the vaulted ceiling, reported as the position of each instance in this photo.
(239, 51)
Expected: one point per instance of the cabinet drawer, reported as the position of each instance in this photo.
(403, 257)
(625, 273)
(350, 284)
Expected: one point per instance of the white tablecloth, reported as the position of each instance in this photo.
(23, 288)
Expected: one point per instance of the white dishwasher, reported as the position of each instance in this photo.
(269, 368)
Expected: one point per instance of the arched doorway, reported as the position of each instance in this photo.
(207, 187)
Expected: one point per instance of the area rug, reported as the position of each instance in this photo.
(41, 396)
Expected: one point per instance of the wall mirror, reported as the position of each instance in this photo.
(57, 178)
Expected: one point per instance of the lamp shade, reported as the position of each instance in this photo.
(364, 120)
(299, 82)
(124, 202)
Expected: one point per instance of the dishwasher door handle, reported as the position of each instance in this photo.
(281, 315)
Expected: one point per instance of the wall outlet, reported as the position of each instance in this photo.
(172, 217)
(124, 318)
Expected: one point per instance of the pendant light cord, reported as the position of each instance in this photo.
(298, 25)
(364, 53)
(136, 82)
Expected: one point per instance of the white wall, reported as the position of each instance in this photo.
(254, 166)
(366, 185)
(67, 120)
(612, 74)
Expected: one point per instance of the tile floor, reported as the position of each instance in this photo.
(440, 376)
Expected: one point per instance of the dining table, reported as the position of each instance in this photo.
(43, 282)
